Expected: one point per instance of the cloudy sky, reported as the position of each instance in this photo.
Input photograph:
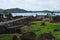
(31, 4)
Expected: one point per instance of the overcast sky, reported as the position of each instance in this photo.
(31, 4)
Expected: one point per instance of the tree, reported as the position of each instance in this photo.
(8, 14)
(48, 14)
(1, 17)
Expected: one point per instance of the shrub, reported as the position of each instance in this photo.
(14, 37)
(46, 36)
(28, 36)
(56, 18)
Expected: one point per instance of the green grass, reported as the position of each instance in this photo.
(38, 29)
(48, 28)
(6, 37)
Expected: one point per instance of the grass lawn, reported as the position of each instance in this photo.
(38, 29)
(7, 36)
(48, 28)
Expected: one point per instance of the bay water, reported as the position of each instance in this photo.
(31, 14)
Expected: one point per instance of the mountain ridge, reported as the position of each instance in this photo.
(18, 10)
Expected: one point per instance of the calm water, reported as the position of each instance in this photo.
(30, 14)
